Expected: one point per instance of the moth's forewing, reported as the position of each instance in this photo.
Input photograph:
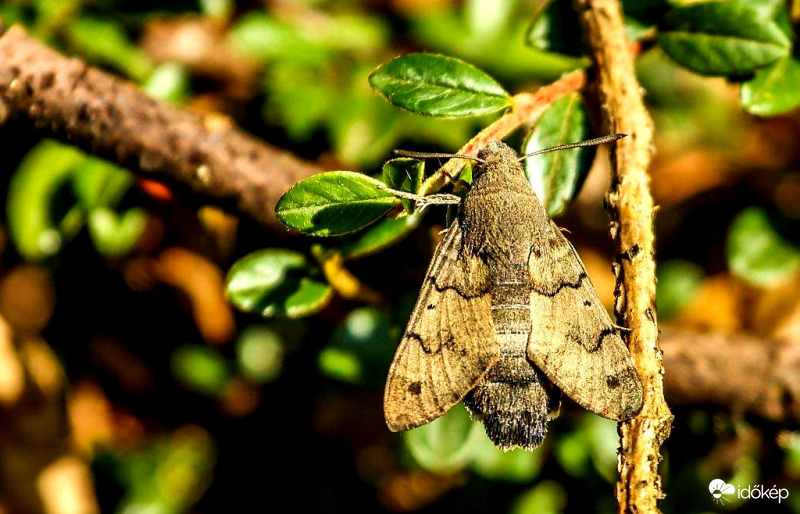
(573, 339)
(449, 342)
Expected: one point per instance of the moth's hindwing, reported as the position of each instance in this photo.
(449, 342)
(573, 339)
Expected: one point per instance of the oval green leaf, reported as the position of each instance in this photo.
(557, 177)
(756, 251)
(276, 282)
(718, 38)
(334, 203)
(445, 445)
(773, 90)
(437, 85)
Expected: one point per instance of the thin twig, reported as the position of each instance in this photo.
(631, 209)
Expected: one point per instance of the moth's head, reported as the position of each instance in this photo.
(497, 156)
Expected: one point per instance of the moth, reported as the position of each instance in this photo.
(506, 320)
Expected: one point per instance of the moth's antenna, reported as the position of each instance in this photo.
(589, 142)
(434, 155)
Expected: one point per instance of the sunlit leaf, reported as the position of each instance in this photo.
(544, 498)
(106, 41)
(170, 83)
(361, 348)
(757, 252)
(200, 368)
(259, 353)
(773, 90)
(446, 444)
(33, 214)
(678, 282)
(99, 183)
(517, 465)
(276, 282)
(437, 85)
(169, 474)
(334, 203)
(721, 38)
(114, 233)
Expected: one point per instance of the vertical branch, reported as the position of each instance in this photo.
(631, 209)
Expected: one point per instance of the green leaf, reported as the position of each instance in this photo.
(334, 203)
(264, 37)
(379, 236)
(170, 83)
(276, 282)
(717, 38)
(404, 175)
(299, 97)
(544, 498)
(678, 282)
(437, 85)
(572, 453)
(445, 445)
(361, 348)
(487, 18)
(200, 368)
(115, 234)
(756, 251)
(259, 353)
(517, 465)
(557, 177)
(603, 443)
(167, 473)
(773, 90)
(106, 42)
(34, 217)
(556, 29)
(99, 183)
(341, 364)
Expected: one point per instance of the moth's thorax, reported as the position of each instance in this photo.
(501, 215)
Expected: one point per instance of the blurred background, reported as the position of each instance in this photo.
(129, 384)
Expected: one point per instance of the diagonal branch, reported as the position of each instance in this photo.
(67, 99)
(631, 209)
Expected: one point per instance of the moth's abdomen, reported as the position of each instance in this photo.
(515, 400)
